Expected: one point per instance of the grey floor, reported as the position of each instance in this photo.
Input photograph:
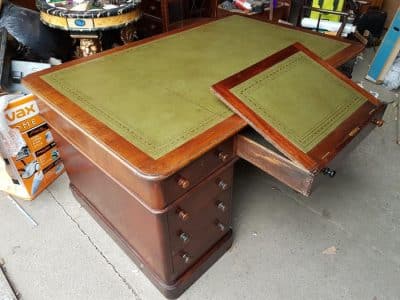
(341, 243)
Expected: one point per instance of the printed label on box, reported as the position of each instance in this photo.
(38, 163)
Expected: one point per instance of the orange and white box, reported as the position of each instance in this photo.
(38, 163)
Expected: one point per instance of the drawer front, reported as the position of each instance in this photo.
(182, 182)
(200, 220)
(270, 160)
(152, 7)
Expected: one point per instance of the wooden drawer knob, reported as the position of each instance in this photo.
(186, 258)
(183, 215)
(222, 156)
(183, 183)
(377, 122)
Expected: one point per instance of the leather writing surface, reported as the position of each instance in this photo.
(300, 99)
(156, 95)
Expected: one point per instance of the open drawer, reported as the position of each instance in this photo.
(253, 148)
(304, 115)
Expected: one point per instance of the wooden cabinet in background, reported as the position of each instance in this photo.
(25, 3)
(154, 18)
(164, 15)
(376, 3)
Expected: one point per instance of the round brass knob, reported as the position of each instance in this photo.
(183, 183)
(220, 226)
(186, 258)
(378, 122)
(223, 185)
(222, 156)
(183, 215)
(221, 206)
(184, 237)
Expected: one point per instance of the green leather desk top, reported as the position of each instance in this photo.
(157, 95)
(306, 110)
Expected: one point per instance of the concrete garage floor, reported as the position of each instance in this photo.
(283, 241)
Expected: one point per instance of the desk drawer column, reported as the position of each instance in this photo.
(200, 219)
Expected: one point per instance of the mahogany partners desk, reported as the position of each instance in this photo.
(150, 150)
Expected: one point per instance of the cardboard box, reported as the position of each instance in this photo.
(38, 163)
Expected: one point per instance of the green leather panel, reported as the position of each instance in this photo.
(300, 99)
(157, 95)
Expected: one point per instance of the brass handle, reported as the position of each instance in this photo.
(222, 156)
(221, 206)
(183, 215)
(186, 258)
(223, 185)
(183, 183)
(377, 122)
(354, 131)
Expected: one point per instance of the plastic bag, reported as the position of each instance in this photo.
(392, 78)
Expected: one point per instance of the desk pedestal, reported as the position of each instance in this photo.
(173, 246)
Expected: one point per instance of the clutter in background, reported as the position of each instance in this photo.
(332, 5)
(24, 48)
(30, 158)
(11, 139)
(326, 16)
(362, 20)
(392, 78)
(12, 71)
(371, 25)
(386, 54)
(87, 5)
(35, 41)
(247, 6)
(20, 69)
(94, 25)
(327, 25)
(4, 61)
